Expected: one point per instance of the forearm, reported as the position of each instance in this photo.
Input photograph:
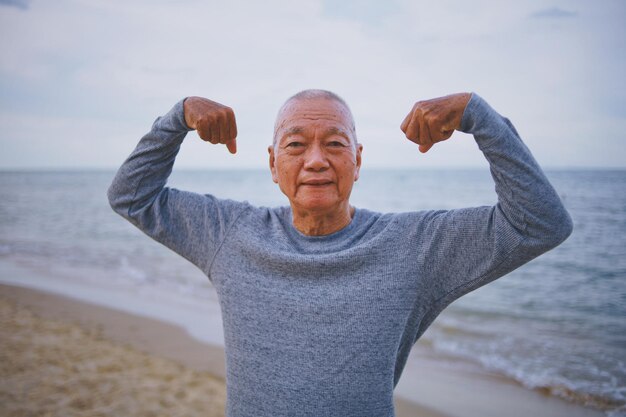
(144, 174)
(526, 199)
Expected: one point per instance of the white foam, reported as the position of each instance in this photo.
(200, 317)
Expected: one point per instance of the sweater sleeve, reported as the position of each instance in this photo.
(467, 248)
(193, 225)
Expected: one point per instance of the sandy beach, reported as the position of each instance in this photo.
(64, 357)
(53, 367)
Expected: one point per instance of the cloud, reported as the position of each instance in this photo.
(369, 12)
(553, 13)
(110, 67)
(20, 4)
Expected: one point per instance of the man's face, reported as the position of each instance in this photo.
(315, 159)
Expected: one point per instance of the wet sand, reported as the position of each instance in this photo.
(63, 357)
(52, 367)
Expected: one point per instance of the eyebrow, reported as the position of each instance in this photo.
(336, 131)
(296, 130)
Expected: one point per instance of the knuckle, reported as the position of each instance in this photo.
(204, 120)
(431, 117)
(222, 117)
(222, 112)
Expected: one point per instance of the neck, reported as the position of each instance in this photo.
(322, 223)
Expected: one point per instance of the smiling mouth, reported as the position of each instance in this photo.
(315, 183)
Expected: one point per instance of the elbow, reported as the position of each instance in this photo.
(559, 228)
(565, 229)
(116, 200)
(113, 197)
(129, 203)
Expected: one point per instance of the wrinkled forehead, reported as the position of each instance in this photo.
(301, 113)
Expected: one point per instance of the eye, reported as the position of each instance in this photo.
(336, 144)
(294, 144)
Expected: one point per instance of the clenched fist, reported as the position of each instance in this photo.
(435, 120)
(214, 122)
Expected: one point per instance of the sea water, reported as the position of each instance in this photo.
(557, 323)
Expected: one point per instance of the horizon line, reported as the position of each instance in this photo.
(370, 168)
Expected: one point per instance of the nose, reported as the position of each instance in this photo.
(315, 158)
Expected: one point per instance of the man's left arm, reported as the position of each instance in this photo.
(470, 247)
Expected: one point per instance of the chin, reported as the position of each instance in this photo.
(318, 204)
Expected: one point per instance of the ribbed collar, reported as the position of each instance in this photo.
(338, 240)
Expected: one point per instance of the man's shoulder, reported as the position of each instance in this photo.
(401, 222)
(398, 216)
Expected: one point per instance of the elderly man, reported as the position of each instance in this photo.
(322, 301)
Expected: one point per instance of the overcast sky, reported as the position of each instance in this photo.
(81, 81)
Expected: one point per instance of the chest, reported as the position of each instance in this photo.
(345, 298)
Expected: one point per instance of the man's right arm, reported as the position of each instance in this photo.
(192, 225)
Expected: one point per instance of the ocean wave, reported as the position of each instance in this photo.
(585, 374)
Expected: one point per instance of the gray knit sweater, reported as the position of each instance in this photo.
(323, 325)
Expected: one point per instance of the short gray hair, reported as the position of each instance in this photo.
(313, 94)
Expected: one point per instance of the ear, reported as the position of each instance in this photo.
(357, 171)
(270, 150)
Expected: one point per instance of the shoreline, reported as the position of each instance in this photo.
(443, 392)
(57, 367)
(147, 335)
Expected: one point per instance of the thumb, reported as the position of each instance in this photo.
(425, 148)
(232, 146)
